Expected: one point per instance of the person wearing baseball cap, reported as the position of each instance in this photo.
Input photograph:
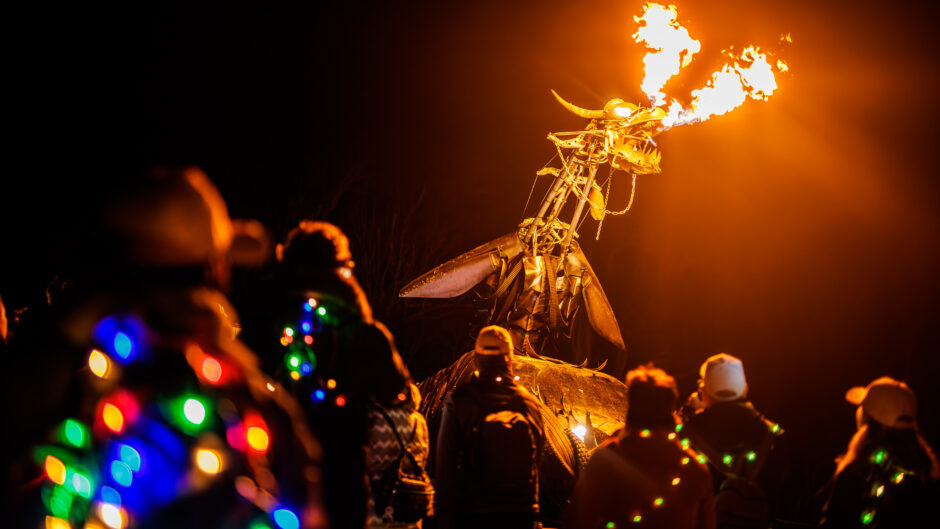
(742, 447)
(489, 444)
(889, 476)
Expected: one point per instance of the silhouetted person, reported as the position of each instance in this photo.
(642, 475)
(169, 421)
(742, 447)
(489, 443)
(402, 450)
(888, 476)
(314, 329)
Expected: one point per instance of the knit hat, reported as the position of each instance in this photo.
(492, 341)
(723, 378)
(888, 401)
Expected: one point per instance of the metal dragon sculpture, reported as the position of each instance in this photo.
(537, 282)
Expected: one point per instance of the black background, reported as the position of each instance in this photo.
(801, 234)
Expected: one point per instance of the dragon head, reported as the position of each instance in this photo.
(630, 129)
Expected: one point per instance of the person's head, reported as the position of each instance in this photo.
(173, 223)
(888, 401)
(721, 379)
(651, 398)
(315, 256)
(315, 244)
(886, 416)
(493, 351)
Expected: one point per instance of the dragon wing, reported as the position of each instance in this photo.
(462, 273)
(600, 313)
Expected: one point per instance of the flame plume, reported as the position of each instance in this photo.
(673, 47)
(746, 75)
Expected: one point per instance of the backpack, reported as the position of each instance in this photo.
(404, 493)
(501, 454)
(741, 504)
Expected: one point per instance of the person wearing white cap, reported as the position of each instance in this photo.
(741, 447)
(889, 475)
(489, 444)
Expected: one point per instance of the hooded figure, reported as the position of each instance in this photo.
(889, 475)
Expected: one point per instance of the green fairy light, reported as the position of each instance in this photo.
(288, 331)
(658, 501)
(899, 477)
(637, 518)
(74, 433)
(685, 444)
(701, 459)
(751, 456)
(294, 361)
(727, 459)
(60, 502)
(867, 517)
(321, 311)
(81, 485)
(775, 428)
(190, 413)
(878, 457)
(678, 428)
(611, 525)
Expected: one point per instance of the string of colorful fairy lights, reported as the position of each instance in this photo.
(144, 449)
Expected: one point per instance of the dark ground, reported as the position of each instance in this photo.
(801, 234)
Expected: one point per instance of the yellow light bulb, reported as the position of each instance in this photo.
(209, 461)
(99, 363)
(55, 469)
(56, 523)
(113, 418)
(257, 438)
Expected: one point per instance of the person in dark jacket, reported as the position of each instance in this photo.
(889, 475)
(743, 449)
(490, 441)
(642, 474)
(313, 327)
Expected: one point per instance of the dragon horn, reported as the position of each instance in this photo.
(583, 112)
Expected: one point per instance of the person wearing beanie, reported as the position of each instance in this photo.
(743, 449)
(889, 476)
(643, 474)
(489, 444)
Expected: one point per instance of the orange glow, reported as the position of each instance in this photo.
(211, 369)
(331, 384)
(113, 418)
(295, 375)
(55, 470)
(56, 523)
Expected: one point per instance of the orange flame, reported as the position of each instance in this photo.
(747, 75)
(673, 47)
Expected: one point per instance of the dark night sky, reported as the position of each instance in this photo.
(801, 234)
